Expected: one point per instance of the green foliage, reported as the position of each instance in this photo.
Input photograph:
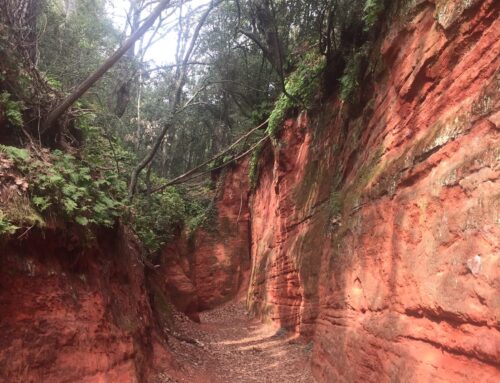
(72, 189)
(157, 218)
(63, 186)
(302, 85)
(89, 188)
(71, 46)
(261, 111)
(198, 213)
(13, 109)
(350, 80)
(16, 154)
(371, 12)
(6, 227)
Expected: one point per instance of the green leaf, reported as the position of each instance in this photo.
(83, 221)
(17, 154)
(69, 205)
(41, 203)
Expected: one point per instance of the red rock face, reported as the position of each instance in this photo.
(171, 281)
(212, 266)
(379, 235)
(69, 313)
(285, 253)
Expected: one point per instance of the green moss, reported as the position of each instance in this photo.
(355, 132)
(253, 168)
(6, 226)
(366, 175)
(485, 103)
(335, 203)
(278, 114)
(20, 211)
(441, 133)
(303, 86)
(263, 265)
(448, 12)
(303, 191)
(161, 305)
(306, 255)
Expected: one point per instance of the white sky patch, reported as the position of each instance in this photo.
(163, 49)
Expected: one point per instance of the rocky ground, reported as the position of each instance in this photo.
(229, 346)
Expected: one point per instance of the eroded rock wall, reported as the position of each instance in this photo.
(212, 266)
(378, 235)
(73, 309)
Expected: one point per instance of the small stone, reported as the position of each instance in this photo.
(474, 264)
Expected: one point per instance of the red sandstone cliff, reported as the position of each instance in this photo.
(73, 309)
(374, 233)
(379, 235)
(212, 266)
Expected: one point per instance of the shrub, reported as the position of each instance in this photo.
(157, 218)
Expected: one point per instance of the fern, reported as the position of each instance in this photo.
(6, 227)
(13, 109)
(66, 188)
(16, 154)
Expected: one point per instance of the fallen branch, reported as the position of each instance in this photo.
(180, 179)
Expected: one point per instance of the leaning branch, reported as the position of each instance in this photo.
(214, 158)
(94, 77)
(183, 179)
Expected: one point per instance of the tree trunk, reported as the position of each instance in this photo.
(181, 79)
(94, 77)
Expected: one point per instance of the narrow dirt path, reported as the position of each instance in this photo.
(229, 347)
